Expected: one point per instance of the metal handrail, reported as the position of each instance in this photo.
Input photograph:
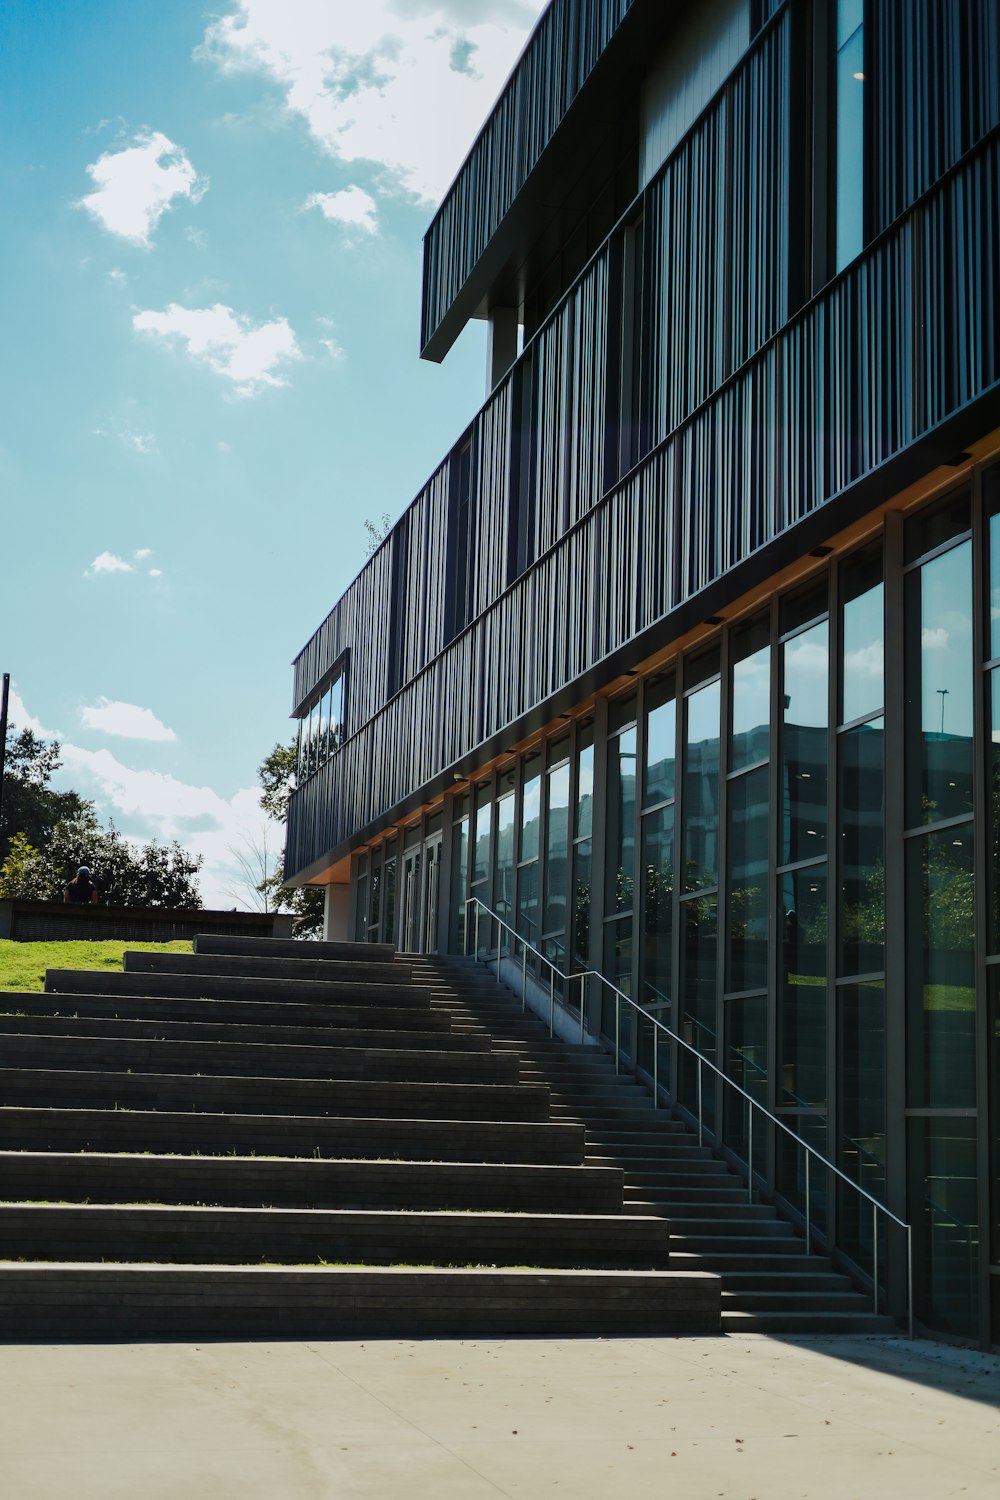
(583, 976)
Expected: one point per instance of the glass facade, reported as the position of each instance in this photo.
(798, 829)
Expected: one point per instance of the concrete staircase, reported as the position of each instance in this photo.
(769, 1283)
(267, 1139)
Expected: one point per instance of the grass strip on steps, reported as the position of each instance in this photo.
(23, 965)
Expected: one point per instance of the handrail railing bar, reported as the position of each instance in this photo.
(810, 1151)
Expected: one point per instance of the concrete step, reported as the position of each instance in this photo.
(203, 1301)
(241, 1012)
(279, 1096)
(801, 1321)
(231, 1032)
(281, 1182)
(182, 1235)
(374, 953)
(255, 967)
(76, 1130)
(793, 1297)
(257, 1060)
(219, 987)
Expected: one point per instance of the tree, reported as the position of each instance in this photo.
(24, 875)
(152, 874)
(377, 531)
(276, 773)
(30, 806)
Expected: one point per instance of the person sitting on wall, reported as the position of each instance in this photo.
(82, 889)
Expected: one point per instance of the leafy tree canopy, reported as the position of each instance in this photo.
(276, 773)
(30, 806)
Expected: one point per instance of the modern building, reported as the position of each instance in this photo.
(686, 660)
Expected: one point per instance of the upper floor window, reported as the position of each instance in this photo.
(321, 726)
(849, 132)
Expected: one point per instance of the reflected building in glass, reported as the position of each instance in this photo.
(685, 662)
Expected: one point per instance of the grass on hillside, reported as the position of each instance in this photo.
(23, 965)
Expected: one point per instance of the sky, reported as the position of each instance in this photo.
(209, 371)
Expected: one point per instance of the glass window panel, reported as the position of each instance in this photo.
(531, 807)
(699, 987)
(583, 861)
(621, 821)
(991, 490)
(701, 790)
(661, 743)
(993, 793)
(850, 137)
(411, 836)
(618, 968)
(862, 684)
(860, 1108)
(503, 869)
(702, 666)
(584, 822)
(940, 970)
(943, 1210)
(527, 902)
(621, 711)
(361, 914)
(336, 714)
(803, 605)
(746, 1065)
(657, 906)
(939, 681)
(850, 15)
(804, 745)
(802, 915)
(751, 696)
(389, 900)
(557, 850)
(939, 524)
(790, 1164)
(375, 895)
(861, 916)
(481, 853)
(746, 961)
(993, 1065)
(324, 729)
(459, 869)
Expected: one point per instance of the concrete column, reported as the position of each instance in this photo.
(335, 923)
(501, 344)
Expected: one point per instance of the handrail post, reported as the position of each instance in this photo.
(875, 1259)
(701, 1125)
(909, 1276)
(499, 949)
(552, 1000)
(618, 1022)
(656, 1070)
(477, 930)
(583, 1005)
(524, 976)
(749, 1151)
(808, 1207)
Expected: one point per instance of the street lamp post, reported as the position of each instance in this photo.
(3, 736)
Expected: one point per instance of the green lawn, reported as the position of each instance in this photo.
(23, 965)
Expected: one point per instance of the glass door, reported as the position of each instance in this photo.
(409, 925)
(431, 893)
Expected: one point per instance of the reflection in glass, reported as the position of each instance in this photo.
(746, 1065)
(584, 821)
(860, 1109)
(503, 868)
(375, 895)
(850, 132)
(699, 986)
(790, 1163)
(861, 915)
(459, 863)
(991, 489)
(993, 1066)
(621, 820)
(389, 900)
(939, 688)
(751, 697)
(940, 970)
(583, 861)
(527, 902)
(661, 741)
(481, 854)
(804, 745)
(945, 1217)
(863, 688)
(701, 788)
(531, 807)
(802, 991)
(557, 850)
(657, 906)
(618, 968)
(746, 961)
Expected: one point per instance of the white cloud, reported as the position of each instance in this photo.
(162, 807)
(335, 350)
(196, 237)
(134, 187)
(143, 552)
(227, 342)
(352, 208)
(125, 719)
(107, 562)
(404, 84)
(156, 572)
(867, 661)
(139, 442)
(116, 277)
(19, 717)
(934, 638)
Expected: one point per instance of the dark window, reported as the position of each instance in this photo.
(463, 548)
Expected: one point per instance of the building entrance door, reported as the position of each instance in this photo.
(421, 896)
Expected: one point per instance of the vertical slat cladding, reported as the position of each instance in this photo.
(492, 438)
(907, 335)
(561, 55)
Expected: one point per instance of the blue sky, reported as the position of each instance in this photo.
(209, 372)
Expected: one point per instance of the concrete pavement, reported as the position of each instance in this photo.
(752, 1418)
